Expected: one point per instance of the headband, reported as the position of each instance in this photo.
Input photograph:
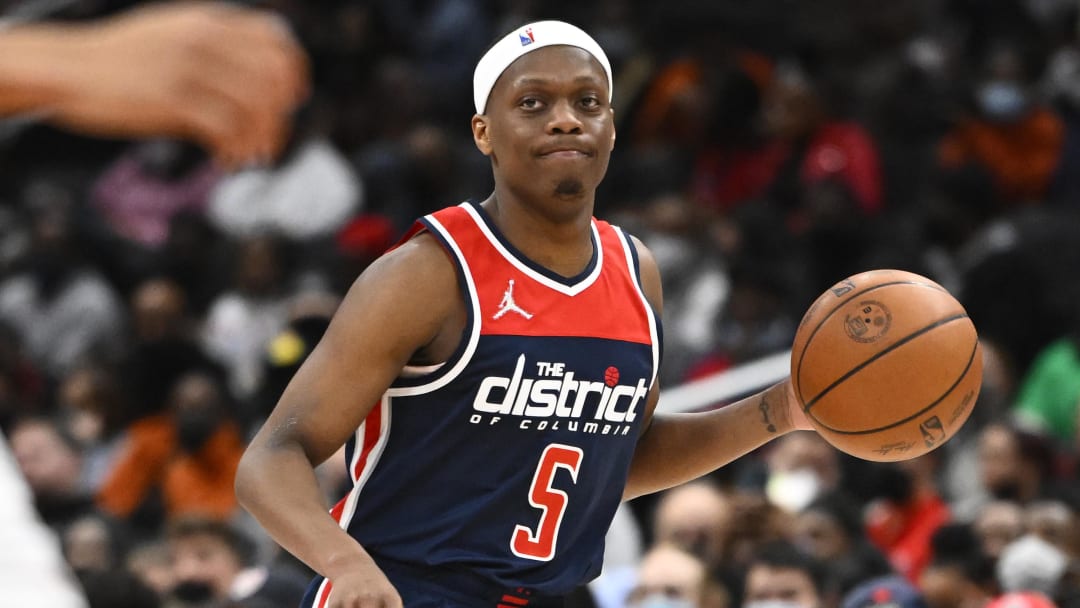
(526, 40)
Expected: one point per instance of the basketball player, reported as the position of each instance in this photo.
(493, 376)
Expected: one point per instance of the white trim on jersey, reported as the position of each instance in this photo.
(570, 290)
(369, 465)
(414, 371)
(635, 273)
(474, 335)
(319, 592)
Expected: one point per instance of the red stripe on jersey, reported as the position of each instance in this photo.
(338, 509)
(320, 602)
(520, 601)
(372, 430)
(505, 606)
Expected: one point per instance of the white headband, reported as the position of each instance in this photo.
(526, 40)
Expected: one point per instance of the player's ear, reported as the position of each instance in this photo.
(481, 134)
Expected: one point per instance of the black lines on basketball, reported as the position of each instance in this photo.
(797, 375)
(892, 347)
(927, 408)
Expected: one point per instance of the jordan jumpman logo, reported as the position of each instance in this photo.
(508, 304)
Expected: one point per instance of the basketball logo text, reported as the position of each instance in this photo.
(869, 322)
(843, 287)
(932, 431)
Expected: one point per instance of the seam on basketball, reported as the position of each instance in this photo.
(948, 391)
(895, 345)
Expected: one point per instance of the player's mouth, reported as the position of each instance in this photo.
(564, 153)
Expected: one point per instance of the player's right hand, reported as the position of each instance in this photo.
(363, 587)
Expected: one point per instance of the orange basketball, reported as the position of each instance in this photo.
(887, 365)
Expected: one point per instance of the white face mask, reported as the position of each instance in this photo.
(772, 604)
(659, 600)
(793, 490)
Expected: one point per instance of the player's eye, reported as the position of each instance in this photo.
(590, 102)
(530, 103)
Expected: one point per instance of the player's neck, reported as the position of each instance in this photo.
(546, 234)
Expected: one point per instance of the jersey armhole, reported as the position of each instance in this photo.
(635, 269)
(432, 376)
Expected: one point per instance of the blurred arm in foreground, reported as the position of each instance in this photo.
(226, 77)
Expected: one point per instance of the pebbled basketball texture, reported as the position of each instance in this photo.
(887, 365)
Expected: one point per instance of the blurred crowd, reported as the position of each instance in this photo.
(153, 306)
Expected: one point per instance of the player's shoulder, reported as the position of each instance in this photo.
(421, 254)
(418, 266)
(648, 271)
(651, 282)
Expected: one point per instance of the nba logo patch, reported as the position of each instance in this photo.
(526, 38)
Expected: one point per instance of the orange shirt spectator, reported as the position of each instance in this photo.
(1021, 156)
(202, 482)
(149, 445)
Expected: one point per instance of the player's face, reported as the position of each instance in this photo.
(549, 127)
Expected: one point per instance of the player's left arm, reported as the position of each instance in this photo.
(675, 448)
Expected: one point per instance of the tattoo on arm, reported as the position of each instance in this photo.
(764, 407)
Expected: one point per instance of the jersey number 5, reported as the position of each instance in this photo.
(540, 545)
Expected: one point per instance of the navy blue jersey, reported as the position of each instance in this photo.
(502, 467)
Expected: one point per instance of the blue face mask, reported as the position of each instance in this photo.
(659, 600)
(1002, 100)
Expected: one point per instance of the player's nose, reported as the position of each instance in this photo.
(564, 119)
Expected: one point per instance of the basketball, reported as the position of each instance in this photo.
(887, 365)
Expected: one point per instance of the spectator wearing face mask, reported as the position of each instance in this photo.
(214, 564)
(669, 577)
(800, 468)
(199, 478)
(1031, 564)
(1011, 136)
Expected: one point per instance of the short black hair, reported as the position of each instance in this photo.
(843, 510)
(956, 545)
(785, 555)
(242, 546)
